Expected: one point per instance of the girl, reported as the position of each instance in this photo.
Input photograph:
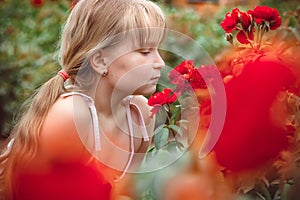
(89, 125)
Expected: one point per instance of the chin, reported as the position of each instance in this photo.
(145, 91)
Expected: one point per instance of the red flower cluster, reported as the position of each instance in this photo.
(186, 78)
(241, 21)
(37, 3)
(265, 17)
(160, 98)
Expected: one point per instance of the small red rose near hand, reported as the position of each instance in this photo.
(249, 137)
(37, 3)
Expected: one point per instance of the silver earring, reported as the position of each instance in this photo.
(104, 73)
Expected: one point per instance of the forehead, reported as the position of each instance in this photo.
(145, 37)
(133, 40)
(138, 38)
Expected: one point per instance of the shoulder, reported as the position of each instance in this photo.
(67, 122)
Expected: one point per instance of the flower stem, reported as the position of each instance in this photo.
(169, 121)
(257, 35)
(260, 38)
(168, 113)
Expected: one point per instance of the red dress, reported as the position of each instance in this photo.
(74, 181)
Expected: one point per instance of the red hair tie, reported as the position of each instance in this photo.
(63, 74)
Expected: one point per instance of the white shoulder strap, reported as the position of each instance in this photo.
(91, 105)
(141, 119)
(129, 121)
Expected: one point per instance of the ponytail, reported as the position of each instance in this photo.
(23, 141)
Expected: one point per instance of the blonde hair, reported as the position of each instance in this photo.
(90, 26)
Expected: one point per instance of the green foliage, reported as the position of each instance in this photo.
(204, 29)
(29, 38)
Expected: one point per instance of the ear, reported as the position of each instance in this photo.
(98, 63)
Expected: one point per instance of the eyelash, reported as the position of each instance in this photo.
(145, 51)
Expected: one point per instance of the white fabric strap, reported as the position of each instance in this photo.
(91, 105)
(142, 123)
(129, 120)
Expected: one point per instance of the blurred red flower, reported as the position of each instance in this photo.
(250, 138)
(37, 3)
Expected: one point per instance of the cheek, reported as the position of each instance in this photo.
(134, 78)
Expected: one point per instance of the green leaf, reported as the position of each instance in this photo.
(161, 138)
(177, 129)
(158, 129)
(175, 114)
(151, 149)
(150, 153)
(286, 188)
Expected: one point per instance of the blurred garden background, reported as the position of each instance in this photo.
(29, 37)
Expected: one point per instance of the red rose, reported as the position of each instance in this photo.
(175, 77)
(196, 80)
(183, 68)
(244, 37)
(160, 98)
(180, 76)
(231, 20)
(263, 14)
(242, 21)
(246, 20)
(182, 85)
(187, 77)
(249, 137)
(37, 3)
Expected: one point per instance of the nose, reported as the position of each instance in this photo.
(158, 61)
(158, 65)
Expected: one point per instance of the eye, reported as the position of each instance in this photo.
(145, 51)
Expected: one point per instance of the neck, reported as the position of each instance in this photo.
(108, 100)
